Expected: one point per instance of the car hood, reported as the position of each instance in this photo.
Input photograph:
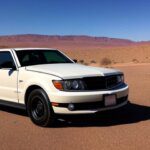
(70, 71)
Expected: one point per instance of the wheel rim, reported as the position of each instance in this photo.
(37, 108)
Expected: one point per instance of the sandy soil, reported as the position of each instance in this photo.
(129, 54)
(124, 129)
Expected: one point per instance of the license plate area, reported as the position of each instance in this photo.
(110, 100)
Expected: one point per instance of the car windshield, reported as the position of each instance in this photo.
(37, 57)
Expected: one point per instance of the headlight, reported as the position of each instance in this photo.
(120, 78)
(69, 85)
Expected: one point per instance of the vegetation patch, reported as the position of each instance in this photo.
(106, 61)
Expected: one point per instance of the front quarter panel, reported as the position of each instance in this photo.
(30, 78)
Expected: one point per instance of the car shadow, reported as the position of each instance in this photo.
(130, 114)
(13, 110)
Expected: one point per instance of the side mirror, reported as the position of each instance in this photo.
(13, 67)
(75, 60)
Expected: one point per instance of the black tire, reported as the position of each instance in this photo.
(39, 108)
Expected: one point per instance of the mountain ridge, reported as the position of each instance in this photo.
(64, 41)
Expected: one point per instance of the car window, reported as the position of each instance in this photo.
(53, 57)
(36, 57)
(6, 60)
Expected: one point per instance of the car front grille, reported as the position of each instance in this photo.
(100, 83)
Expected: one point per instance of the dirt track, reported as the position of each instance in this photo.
(119, 130)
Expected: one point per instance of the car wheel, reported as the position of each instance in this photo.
(39, 108)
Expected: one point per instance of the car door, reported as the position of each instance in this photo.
(8, 77)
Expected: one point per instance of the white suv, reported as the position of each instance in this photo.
(46, 82)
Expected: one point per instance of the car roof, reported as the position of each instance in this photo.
(20, 49)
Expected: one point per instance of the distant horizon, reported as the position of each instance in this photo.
(77, 35)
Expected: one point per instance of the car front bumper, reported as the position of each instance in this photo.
(88, 102)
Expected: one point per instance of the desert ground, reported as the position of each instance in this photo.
(123, 129)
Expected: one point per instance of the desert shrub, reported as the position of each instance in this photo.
(93, 61)
(135, 60)
(81, 61)
(75, 60)
(106, 61)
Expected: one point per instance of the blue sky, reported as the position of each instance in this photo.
(129, 19)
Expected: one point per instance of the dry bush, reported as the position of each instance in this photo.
(93, 61)
(81, 61)
(86, 64)
(106, 61)
(135, 60)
